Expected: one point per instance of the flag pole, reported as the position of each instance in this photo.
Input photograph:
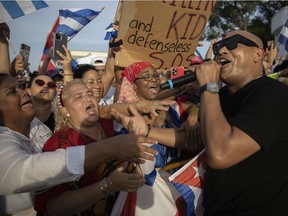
(97, 15)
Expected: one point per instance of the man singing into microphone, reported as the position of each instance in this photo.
(244, 129)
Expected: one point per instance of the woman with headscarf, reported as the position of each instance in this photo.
(142, 82)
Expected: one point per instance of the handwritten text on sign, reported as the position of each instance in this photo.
(163, 33)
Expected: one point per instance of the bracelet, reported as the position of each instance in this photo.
(149, 129)
(105, 187)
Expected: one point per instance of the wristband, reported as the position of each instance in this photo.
(149, 129)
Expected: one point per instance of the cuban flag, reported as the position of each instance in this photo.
(283, 37)
(160, 199)
(111, 32)
(48, 45)
(13, 9)
(189, 182)
(72, 20)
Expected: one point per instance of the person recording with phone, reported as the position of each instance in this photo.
(244, 129)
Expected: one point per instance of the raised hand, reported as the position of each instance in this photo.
(129, 147)
(271, 52)
(50, 54)
(207, 72)
(146, 106)
(67, 59)
(19, 64)
(134, 124)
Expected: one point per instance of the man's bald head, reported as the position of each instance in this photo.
(247, 35)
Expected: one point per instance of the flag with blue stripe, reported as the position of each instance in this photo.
(13, 9)
(283, 36)
(110, 32)
(189, 181)
(72, 20)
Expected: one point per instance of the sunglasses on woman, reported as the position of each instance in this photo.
(232, 43)
(41, 83)
(148, 77)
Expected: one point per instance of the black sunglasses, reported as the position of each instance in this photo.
(41, 83)
(232, 43)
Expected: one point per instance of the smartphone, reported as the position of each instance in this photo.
(25, 53)
(59, 40)
(176, 71)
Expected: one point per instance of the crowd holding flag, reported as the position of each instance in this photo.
(283, 36)
(72, 20)
(48, 45)
(189, 182)
(69, 22)
(10, 10)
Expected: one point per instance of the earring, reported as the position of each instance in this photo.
(68, 115)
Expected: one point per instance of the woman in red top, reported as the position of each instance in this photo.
(76, 112)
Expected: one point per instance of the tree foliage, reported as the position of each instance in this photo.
(252, 16)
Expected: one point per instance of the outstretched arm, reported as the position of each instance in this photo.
(188, 137)
(46, 62)
(143, 106)
(76, 201)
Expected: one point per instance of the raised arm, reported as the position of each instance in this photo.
(208, 54)
(184, 138)
(21, 171)
(109, 74)
(17, 65)
(46, 61)
(226, 145)
(4, 48)
(66, 63)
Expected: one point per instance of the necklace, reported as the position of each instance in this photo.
(101, 133)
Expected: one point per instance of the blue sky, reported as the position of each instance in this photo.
(32, 29)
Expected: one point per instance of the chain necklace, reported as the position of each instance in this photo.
(101, 134)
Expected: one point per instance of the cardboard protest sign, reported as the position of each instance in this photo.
(164, 33)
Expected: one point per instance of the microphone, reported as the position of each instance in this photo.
(179, 81)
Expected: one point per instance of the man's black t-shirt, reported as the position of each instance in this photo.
(257, 185)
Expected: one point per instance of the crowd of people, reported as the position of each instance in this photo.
(66, 149)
